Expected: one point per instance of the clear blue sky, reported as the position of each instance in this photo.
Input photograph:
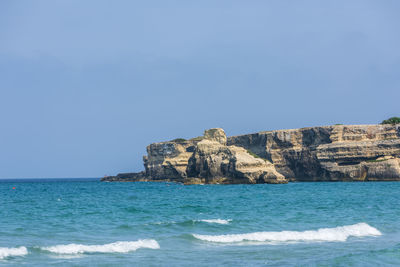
(86, 85)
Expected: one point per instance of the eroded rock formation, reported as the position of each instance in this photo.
(330, 153)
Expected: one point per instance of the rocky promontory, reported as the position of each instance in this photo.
(329, 153)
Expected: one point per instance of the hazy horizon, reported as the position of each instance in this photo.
(86, 86)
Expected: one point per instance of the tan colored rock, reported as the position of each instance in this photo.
(168, 160)
(215, 134)
(329, 153)
(217, 163)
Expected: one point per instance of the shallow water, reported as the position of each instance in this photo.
(81, 223)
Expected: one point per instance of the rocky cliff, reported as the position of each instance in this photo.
(330, 153)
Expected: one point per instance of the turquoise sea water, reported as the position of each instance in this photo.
(89, 223)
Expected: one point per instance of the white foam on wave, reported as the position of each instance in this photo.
(117, 247)
(219, 221)
(338, 234)
(12, 252)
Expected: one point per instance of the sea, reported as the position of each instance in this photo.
(85, 222)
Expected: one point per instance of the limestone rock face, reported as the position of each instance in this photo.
(215, 134)
(168, 160)
(330, 153)
(213, 162)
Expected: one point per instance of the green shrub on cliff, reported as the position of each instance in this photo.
(392, 120)
(198, 138)
(253, 154)
(178, 140)
(377, 160)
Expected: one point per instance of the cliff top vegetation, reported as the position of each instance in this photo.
(392, 120)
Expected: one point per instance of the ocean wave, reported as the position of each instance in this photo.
(338, 234)
(11, 252)
(192, 222)
(117, 247)
(219, 221)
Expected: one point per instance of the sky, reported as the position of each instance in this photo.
(85, 86)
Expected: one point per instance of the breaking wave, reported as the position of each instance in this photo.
(338, 234)
(117, 247)
(10, 252)
(219, 221)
